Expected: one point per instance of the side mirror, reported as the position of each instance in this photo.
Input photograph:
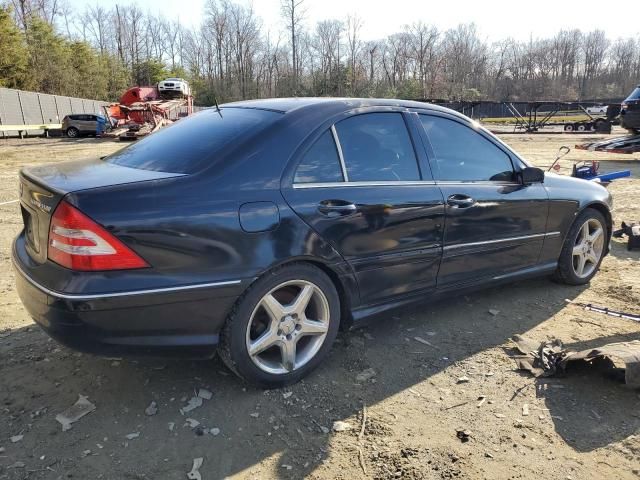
(531, 175)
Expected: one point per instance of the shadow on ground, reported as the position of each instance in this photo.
(39, 379)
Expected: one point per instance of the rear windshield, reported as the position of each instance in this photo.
(190, 144)
(635, 95)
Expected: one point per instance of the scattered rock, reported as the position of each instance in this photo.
(286, 467)
(324, 429)
(287, 394)
(339, 426)
(525, 410)
(481, 400)
(194, 474)
(151, 410)
(365, 375)
(74, 413)
(500, 415)
(1, 449)
(463, 379)
(191, 422)
(133, 435)
(214, 431)
(17, 465)
(488, 455)
(16, 438)
(204, 393)
(171, 425)
(494, 312)
(423, 341)
(463, 435)
(193, 403)
(254, 414)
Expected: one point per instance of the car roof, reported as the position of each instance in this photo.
(286, 105)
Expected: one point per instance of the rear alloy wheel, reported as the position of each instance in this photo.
(583, 249)
(283, 326)
(73, 132)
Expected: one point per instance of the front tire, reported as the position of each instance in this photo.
(583, 249)
(73, 132)
(282, 327)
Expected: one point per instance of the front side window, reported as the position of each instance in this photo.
(377, 147)
(462, 154)
(321, 163)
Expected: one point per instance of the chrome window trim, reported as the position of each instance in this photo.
(343, 166)
(502, 240)
(390, 183)
(80, 297)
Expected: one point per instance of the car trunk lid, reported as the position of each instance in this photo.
(42, 188)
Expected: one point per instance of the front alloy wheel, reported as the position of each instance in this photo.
(588, 248)
(583, 249)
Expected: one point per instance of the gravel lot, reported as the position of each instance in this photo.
(403, 416)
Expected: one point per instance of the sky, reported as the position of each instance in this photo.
(496, 19)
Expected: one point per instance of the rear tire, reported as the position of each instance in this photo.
(72, 132)
(272, 344)
(583, 249)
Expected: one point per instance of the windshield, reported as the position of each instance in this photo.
(191, 143)
(635, 95)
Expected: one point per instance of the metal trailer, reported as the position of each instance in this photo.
(533, 120)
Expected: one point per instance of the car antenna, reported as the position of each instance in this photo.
(215, 100)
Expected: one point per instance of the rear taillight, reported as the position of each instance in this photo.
(79, 243)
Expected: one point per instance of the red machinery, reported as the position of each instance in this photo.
(142, 110)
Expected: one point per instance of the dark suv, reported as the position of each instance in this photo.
(630, 112)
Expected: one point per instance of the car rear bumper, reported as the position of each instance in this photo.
(631, 119)
(182, 321)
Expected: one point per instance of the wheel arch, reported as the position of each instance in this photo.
(345, 284)
(604, 210)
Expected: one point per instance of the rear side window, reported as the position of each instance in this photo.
(463, 154)
(377, 147)
(321, 163)
(193, 142)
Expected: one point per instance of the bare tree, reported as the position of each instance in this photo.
(293, 12)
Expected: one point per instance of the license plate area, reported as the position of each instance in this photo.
(30, 228)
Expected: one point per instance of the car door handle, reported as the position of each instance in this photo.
(460, 201)
(337, 208)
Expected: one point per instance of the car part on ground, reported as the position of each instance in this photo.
(549, 358)
(632, 231)
(626, 144)
(605, 310)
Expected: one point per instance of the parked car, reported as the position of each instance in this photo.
(262, 228)
(174, 86)
(630, 112)
(78, 124)
(597, 110)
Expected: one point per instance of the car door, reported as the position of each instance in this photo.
(494, 224)
(365, 188)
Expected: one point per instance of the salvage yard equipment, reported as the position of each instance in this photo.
(144, 110)
(587, 169)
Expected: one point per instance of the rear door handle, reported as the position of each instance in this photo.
(460, 201)
(337, 208)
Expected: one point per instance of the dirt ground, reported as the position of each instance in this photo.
(579, 426)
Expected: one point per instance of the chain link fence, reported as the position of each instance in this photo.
(18, 107)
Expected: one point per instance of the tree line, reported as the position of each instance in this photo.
(101, 51)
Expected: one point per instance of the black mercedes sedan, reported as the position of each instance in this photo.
(258, 229)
